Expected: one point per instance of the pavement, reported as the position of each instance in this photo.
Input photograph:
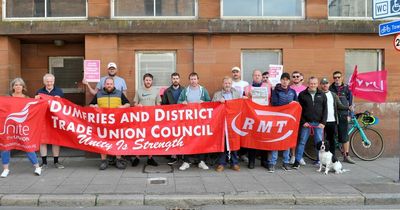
(81, 184)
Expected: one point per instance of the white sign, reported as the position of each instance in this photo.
(259, 95)
(385, 8)
(274, 74)
(397, 42)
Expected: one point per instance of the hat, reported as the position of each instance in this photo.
(236, 69)
(111, 65)
(324, 81)
(285, 75)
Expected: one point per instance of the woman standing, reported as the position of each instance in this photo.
(17, 88)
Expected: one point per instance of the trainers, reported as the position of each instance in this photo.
(103, 165)
(38, 171)
(112, 161)
(244, 158)
(292, 159)
(286, 167)
(135, 162)
(43, 166)
(348, 159)
(58, 165)
(270, 168)
(203, 165)
(184, 166)
(302, 162)
(235, 167)
(220, 168)
(316, 163)
(152, 162)
(120, 164)
(173, 161)
(5, 173)
(296, 165)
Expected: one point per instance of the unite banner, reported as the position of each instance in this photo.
(151, 130)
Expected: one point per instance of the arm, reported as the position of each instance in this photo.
(158, 99)
(91, 90)
(206, 96)
(339, 103)
(136, 99)
(125, 101)
(324, 110)
(94, 101)
(164, 99)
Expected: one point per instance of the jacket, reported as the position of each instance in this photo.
(345, 96)
(313, 111)
(112, 99)
(218, 95)
(282, 96)
(338, 106)
(168, 98)
(204, 96)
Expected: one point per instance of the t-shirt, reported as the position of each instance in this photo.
(240, 86)
(176, 93)
(298, 89)
(331, 108)
(147, 97)
(193, 95)
(119, 83)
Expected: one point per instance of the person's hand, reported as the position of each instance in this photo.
(306, 125)
(222, 100)
(321, 126)
(184, 102)
(37, 96)
(93, 105)
(139, 105)
(84, 81)
(245, 97)
(351, 108)
(57, 96)
(201, 101)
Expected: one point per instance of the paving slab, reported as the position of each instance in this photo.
(183, 201)
(67, 200)
(326, 199)
(19, 200)
(259, 199)
(119, 200)
(382, 198)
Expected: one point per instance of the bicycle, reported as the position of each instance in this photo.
(365, 142)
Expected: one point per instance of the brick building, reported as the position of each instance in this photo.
(315, 37)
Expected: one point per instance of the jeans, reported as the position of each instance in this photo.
(5, 157)
(233, 158)
(304, 134)
(274, 157)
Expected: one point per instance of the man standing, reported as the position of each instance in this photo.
(237, 82)
(119, 82)
(50, 89)
(110, 97)
(333, 105)
(265, 77)
(281, 95)
(194, 93)
(313, 116)
(346, 97)
(227, 93)
(171, 96)
(146, 96)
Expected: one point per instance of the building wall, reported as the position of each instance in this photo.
(10, 62)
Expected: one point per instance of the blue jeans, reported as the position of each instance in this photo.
(274, 157)
(304, 134)
(233, 158)
(5, 157)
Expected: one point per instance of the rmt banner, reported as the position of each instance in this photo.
(153, 130)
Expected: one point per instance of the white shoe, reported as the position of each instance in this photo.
(292, 159)
(302, 162)
(184, 166)
(5, 173)
(203, 165)
(38, 171)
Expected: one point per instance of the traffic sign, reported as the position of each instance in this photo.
(396, 42)
(389, 28)
(385, 8)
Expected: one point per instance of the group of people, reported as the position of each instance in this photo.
(324, 110)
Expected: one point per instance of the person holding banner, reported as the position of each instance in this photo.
(50, 89)
(227, 93)
(110, 97)
(313, 116)
(237, 82)
(17, 89)
(281, 95)
(194, 93)
(346, 97)
(119, 82)
(146, 96)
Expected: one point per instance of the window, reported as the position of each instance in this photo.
(258, 59)
(350, 8)
(160, 64)
(366, 60)
(263, 8)
(154, 8)
(39, 9)
(68, 72)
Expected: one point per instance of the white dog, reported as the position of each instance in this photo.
(327, 159)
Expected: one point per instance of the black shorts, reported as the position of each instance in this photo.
(343, 129)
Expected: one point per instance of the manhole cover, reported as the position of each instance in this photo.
(157, 180)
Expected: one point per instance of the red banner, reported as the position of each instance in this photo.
(152, 130)
(371, 86)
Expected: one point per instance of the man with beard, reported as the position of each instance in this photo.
(237, 82)
(146, 96)
(171, 96)
(119, 82)
(110, 97)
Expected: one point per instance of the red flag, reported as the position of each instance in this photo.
(371, 86)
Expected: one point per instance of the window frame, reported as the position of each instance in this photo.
(67, 90)
(380, 60)
(350, 17)
(137, 64)
(112, 14)
(302, 17)
(5, 18)
(280, 57)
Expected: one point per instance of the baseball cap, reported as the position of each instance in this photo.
(111, 65)
(285, 75)
(324, 81)
(236, 69)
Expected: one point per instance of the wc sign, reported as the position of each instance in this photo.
(385, 8)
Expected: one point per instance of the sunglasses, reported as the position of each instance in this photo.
(337, 77)
(296, 76)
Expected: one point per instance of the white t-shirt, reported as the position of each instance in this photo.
(331, 109)
(240, 86)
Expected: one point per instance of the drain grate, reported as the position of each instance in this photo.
(157, 181)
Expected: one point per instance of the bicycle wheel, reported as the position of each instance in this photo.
(367, 152)
(309, 149)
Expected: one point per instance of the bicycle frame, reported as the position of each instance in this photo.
(357, 126)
